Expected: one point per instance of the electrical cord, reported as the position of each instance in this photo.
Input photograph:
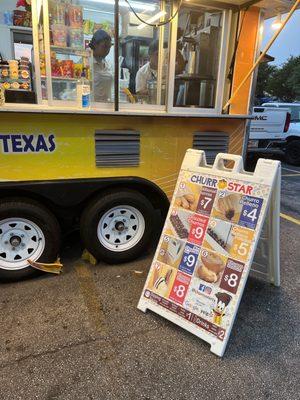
(159, 23)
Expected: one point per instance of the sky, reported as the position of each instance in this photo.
(288, 42)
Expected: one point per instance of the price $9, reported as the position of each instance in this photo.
(198, 232)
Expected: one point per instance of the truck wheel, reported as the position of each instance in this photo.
(27, 231)
(292, 152)
(117, 227)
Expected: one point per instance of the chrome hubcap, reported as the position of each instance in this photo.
(20, 240)
(121, 228)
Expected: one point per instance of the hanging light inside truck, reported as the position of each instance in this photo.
(152, 19)
(277, 24)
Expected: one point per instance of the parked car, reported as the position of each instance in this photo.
(275, 129)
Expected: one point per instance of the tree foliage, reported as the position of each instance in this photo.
(280, 82)
(265, 74)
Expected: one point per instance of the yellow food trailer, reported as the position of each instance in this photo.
(157, 75)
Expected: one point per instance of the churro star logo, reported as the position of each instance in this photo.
(222, 184)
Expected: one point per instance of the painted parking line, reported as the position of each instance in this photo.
(291, 170)
(291, 219)
(290, 175)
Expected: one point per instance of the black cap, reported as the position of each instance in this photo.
(98, 37)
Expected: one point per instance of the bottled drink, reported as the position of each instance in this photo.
(83, 91)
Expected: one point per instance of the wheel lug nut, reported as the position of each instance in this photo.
(22, 236)
(13, 248)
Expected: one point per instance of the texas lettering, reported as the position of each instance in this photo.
(20, 143)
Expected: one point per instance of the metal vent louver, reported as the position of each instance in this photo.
(117, 148)
(212, 143)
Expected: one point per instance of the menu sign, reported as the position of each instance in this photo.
(204, 255)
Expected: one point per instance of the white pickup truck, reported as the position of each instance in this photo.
(275, 129)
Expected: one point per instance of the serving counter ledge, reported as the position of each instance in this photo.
(42, 109)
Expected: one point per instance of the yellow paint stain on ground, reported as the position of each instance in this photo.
(91, 298)
(291, 219)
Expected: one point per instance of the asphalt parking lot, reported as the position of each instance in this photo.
(80, 336)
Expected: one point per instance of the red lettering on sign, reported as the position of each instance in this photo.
(239, 188)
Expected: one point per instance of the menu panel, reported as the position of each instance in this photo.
(204, 254)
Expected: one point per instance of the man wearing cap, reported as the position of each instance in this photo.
(103, 76)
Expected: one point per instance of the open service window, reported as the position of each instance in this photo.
(146, 56)
(201, 36)
(144, 30)
(80, 39)
(78, 43)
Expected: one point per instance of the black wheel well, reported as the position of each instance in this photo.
(23, 194)
(154, 194)
(70, 215)
(291, 138)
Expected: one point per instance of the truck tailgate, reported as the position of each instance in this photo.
(268, 123)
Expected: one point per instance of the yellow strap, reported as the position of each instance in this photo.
(129, 94)
(54, 268)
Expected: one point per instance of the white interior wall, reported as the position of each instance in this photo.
(7, 5)
(5, 43)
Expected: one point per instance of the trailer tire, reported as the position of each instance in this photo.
(35, 233)
(292, 153)
(117, 227)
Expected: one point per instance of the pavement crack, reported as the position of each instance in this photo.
(52, 351)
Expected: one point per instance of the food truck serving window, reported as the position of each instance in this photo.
(199, 36)
(155, 58)
(144, 51)
(80, 37)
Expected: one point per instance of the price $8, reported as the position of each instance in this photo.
(232, 279)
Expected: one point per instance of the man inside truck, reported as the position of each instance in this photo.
(148, 72)
(103, 77)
